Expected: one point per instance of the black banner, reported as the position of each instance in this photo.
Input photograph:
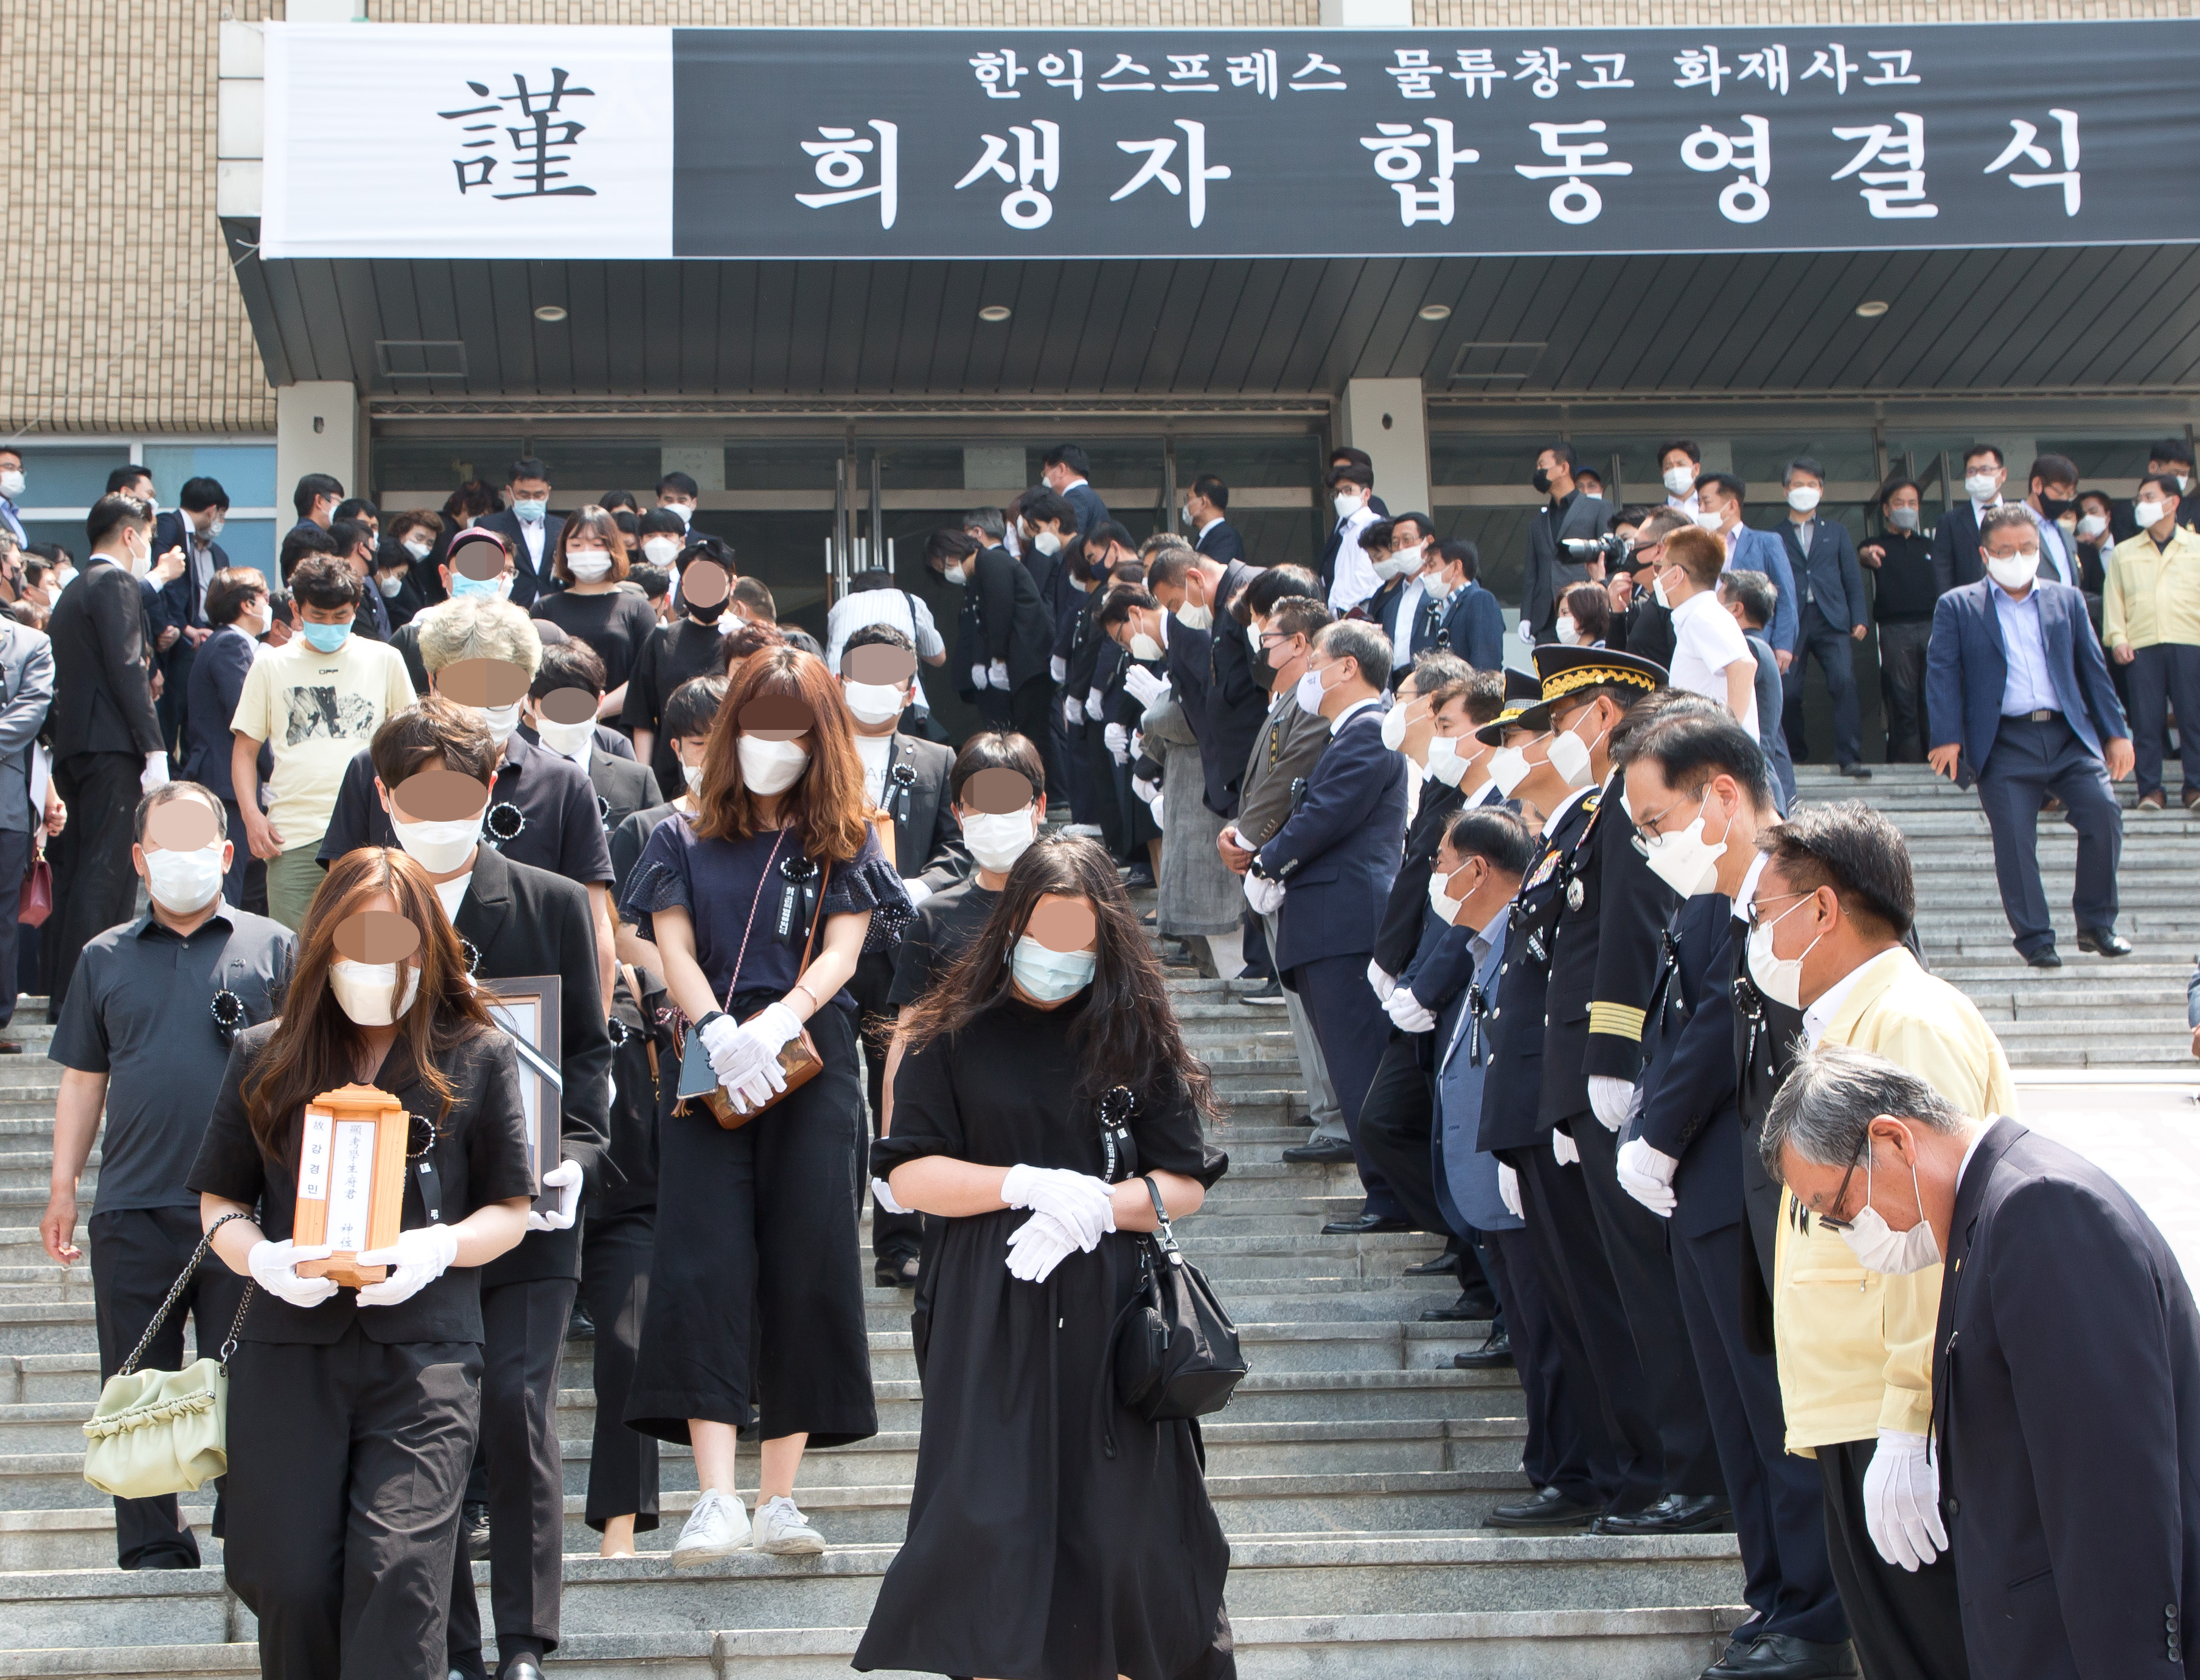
(1089, 144)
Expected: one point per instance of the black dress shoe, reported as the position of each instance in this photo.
(1676, 1514)
(2045, 957)
(2104, 941)
(1321, 1149)
(1268, 996)
(522, 1667)
(1780, 1656)
(1474, 1306)
(896, 1273)
(473, 1530)
(1363, 1225)
(579, 1326)
(1495, 1354)
(1446, 1264)
(1861, 773)
(1546, 1510)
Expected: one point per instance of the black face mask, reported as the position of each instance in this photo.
(1541, 480)
(2054, 507)
(703, 615)
(1264, 673)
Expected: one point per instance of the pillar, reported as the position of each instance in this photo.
(1389, 419)
(317, 430)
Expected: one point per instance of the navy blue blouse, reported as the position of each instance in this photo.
(718, 883)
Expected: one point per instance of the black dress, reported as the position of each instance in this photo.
(1030, 1552)
(616, 624)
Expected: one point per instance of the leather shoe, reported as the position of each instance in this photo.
(521, 1667)
(2103, 941)
(2044, 957)
(1363, 1225)
(1475, 1306)
(1320, 1150)
(1861, 773)
(1495, 1354)
(473, 1530)
(9, 1047)
(1545, 1510)
(1446, 1264)
(1676, 1514)
(2153, 802)
(1780, 1656)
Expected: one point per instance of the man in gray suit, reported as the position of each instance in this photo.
(1570, 513)
(26, 689)
(1831, 614)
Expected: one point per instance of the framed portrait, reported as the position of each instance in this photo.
(527, 1009)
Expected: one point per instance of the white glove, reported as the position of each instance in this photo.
(155, 773)
(1077, 1202)
(565, 1179)
(1119, 743)
(1266, 896)
(884, 1193)
(1902, 1500)
(997, 673)
(1384, 984)
(1142, 685)
(274, 1267)
(1073, 709)
(978, 678)
(1407, 1014)
(1138, 744)
(1527, 634)
(1155, 807)
(1094, 705)
(1613, 1099)
(1508, 1190)
(1057, 668)
(914, 891)
(1564, 1150)
(417, 1259)
(1646, 1173)
(1145, 790)
(746, 1060)
(1037, 1246)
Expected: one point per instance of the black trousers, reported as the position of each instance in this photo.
(1642, 1270)
(95, 888)
(1830, 645)
(343, 1517)
(1029, 703)
(2030, 760)
(524, 1327)
(1397, 1130)
(1351, 1029)
(1565, 1436)
(1902, 645)
(2159, 678)
(1107, 806)
(137, 1254)
(1259, 963)
(615, 1251)
(1906, 1626)
(895, 1237)
(15, 863)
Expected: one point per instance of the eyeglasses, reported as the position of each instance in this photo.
(1840, 1195)
(1645, 831)
(1757, 906)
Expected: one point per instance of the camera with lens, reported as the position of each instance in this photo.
(1612, 548)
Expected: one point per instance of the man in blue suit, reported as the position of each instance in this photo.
(1329, 868)
(236, 606)
(2020, 698)
(1721, 496)
(530, 530)
(1832, 614)
(1064, 470)
(1455, 612)
(1955, 559)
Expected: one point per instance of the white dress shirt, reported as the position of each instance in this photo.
(877, 752)
(532, 532)
(1355, 574)
(1350, 712)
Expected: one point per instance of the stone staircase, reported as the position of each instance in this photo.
(1350, 1472)
(2091, 1013)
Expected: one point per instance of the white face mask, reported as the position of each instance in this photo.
(363, 990)
(955, 574)
(1567, 628)
(1803, 497)
(140, 563)
(2093, 525)
(418, 547)
(1448, 763)
(2148, 514)
(694, 773)
(1310, 689)
(182, 882)
(1346, 505)
(2184, 482)
(2016, 571)
(1253, 639)
(1880, 1249)
(63, 576)
(438, 846)
(260, 626)
(1780, 979)
(588, 565)
(997, 839)
(501, 720)
(11, 485)
(1980, 486)
(686, 510)
(1679, 481)
(1658, 593)
(1508, 768)
(874, 702)
(1391, 564)
(1196, 618)
(770, 766)
(389, 583)
(1394, 725)
(1051, 976)
(1047, 542)
(1446, 909)
(566, 738)
(1437, 587)
(1711, 522)
(1571, 756)
(1684, 860)
(1143, 647)
(659, 551)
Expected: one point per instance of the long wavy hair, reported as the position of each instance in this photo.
(826, 805)
(1128, 1033)
(316, 1047)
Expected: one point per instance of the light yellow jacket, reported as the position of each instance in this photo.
(2151, 594)
(1856, 1347)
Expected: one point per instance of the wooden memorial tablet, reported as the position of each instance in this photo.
(351, 1180)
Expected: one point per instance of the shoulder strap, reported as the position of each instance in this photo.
(648, 1036)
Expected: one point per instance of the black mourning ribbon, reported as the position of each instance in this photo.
(470, 952)
(504, 823)
(797, 898)
(229, 1017)
(900, 778)
(604, 810)
(1115, 1132)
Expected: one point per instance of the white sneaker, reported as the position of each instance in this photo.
(784, 1531)
(716, 1528)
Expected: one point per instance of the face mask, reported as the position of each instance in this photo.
(212, 530)
(1780, 979)
(1437, 587)
(708, 616)
(1684, 861)
(1047, 542)
(997, 840)
(2056, 506)
(438, 846)
(1446, 763)
(260, 626)
(587, 567)
(498, 588)
(1143, 647)
(1980, 486)
(1051, 976)
(64, 576)
(2149, 514)
(1508, 768)
(1346, 505)
(1541, 481)
(530, 512)
(418, 547)
(1391, 564)
(389, 583)
(1803, 498)
(2093, 525)
(1679, 481)
(1567, 628)
(1196, 618)
(1658, 593)
(183, 881)
(1394, 726)
(1186, 511)
(956, 575)
(874, 702)
(2184, 482)
(501, 720)
(694, 773)
(11, 485)
(363, 990)
(1446, 909)
(1570, 756)
(2016, 571)
(1895, 1253)
(566, 738)
(659, 551)
(140, 564)
(1903, 518)
(770, 766)
(325, 637)
(1711, 522)
(687, 513)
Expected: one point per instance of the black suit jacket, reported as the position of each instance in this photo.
(217, 684)
(2066, 1396)
(524, 922)
(176, 607)
(623, 787)
(1085, 502)
(528, 585)
(1956, 549)
(1237, 705)
(1688, 1081)
(1221, 542)
(102, 695)
(927, 839)
(1400, 934)
(1550, 566)
(1766, 1034)
(1510, 1121)
(1014, 623)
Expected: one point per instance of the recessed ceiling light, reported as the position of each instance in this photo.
(550, 311)
(995, 311)
(1872, 311)
(1436, 311)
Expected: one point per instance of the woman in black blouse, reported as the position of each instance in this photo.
(354, 1412)
(1035, 1549)
(591, 562)
(756, 1227)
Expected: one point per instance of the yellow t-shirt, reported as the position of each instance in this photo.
(316, 710)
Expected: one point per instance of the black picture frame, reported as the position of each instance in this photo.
(527, 1008)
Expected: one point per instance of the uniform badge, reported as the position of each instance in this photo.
(1544, 871)
(1574, 894)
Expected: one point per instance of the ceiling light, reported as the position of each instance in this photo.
(1436, 311)
(995, 311)
(1872, 311)
(550, 313)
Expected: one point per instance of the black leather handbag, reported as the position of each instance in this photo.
(1175, 1350)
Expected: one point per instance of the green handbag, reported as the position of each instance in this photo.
(164, 1432)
